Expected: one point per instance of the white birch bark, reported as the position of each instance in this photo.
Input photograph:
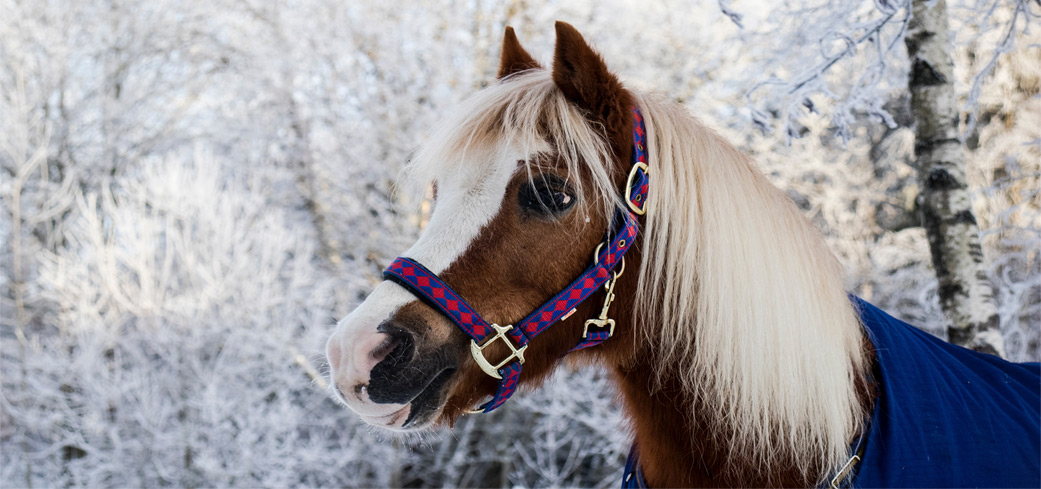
(966, 295)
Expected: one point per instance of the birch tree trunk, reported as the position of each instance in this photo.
(966, 295)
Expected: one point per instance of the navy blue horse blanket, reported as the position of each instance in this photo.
(947, 416)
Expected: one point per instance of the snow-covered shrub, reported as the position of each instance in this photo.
(183, 319)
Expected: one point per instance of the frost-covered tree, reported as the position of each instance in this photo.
(861, 42)
(965, 293)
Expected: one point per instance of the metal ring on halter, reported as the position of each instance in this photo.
(629, 189)
(596, 259)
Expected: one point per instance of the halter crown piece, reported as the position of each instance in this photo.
(425, 285)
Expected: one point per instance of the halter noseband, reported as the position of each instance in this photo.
(426, 285)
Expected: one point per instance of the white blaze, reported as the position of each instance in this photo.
(467, 201)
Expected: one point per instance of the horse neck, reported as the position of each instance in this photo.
(678, 445)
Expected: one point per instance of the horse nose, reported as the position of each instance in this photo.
(353, 357)
(399, 376)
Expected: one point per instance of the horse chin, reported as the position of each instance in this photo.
(394, 421)
(404, 420)
(407, 418)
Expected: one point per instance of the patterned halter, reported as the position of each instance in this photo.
(426, 285)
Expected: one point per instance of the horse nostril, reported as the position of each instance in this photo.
(380, 352)
(396, 350)
(395, 378)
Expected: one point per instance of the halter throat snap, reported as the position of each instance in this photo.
(608, 257)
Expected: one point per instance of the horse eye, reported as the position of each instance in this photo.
(547, 197)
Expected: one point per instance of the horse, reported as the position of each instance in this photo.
(623, 232)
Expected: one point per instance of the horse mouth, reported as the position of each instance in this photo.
(428, 402)
(387, 420)
(419, 412)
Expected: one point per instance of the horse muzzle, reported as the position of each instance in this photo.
(386, 367)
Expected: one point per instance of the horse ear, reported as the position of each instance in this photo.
(514, 58)
(582, 75)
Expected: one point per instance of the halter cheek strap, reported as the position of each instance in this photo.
(426, 285)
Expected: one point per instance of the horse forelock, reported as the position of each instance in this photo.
(524, 113)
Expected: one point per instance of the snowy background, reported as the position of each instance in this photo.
(193, 192)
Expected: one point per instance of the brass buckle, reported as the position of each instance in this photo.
(603, 321)
(629, 188)
(478, 351)
(599, 323)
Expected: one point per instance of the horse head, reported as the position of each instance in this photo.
(518, 214)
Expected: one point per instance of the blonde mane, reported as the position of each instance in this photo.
(738, 295)
(747, 301)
